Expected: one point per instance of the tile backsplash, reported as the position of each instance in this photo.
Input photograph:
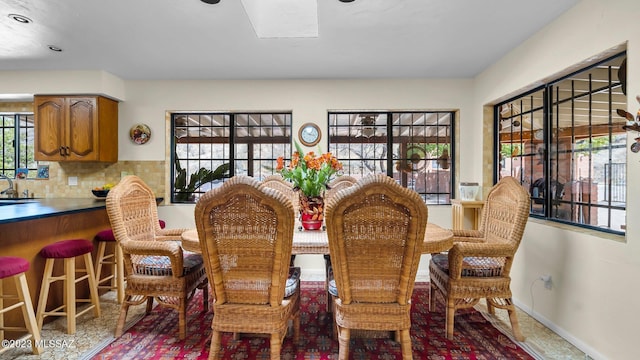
(91, 175)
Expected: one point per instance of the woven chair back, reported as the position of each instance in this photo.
(133, 214)
(376, 231)
(339, 183)
(246, 234)
(504, 217)
(277, 182)
(505, 213)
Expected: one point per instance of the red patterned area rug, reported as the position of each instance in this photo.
(155, 336)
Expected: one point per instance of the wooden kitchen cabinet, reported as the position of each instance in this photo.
(76, 128)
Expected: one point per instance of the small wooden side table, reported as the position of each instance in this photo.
(460, 207)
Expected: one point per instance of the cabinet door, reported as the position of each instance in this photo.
(82, 129)
(49, 128)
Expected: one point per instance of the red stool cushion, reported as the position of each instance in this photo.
(11, 265)
(67, 249)
(107, 234)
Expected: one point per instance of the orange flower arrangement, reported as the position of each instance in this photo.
(310, 174)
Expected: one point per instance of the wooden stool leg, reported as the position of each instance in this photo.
(44, 292)
(93, 285)
(102, 246)
(27, 312)
(70, 293)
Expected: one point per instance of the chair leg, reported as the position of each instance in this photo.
(182, 321)
(296, 328)
(205, 296)
(432, 297)
(514, 322)
(93, 285)
(450, 314)
(149, 305)
(214, 350)
(119, 272)
(405, 343)
(327, 278)
(27, 312)
(490, 308)
(70, 294)
(276, 344)
(344, 336)
(124, 309)
(99, 259)
(44, 292)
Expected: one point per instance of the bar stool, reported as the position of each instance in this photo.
(68, 250)
(114, 259)
(15, 267)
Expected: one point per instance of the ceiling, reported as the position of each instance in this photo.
(188, 39)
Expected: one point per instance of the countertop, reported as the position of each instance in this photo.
(40, 208)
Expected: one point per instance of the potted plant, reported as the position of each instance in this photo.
(310, 175)
(183, 191)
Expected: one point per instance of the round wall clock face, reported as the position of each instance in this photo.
(309, 134)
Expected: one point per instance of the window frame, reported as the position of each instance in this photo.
(231, 127)
(23, 152)
(554, 150)
(391, 161)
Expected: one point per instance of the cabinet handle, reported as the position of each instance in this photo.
(61, 150)
(67, 151)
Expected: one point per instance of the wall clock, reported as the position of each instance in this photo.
(309, 134)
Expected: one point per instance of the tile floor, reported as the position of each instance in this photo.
(91, 332)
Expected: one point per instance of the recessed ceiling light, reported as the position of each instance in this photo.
(20, 18)
(346, 1)
(210, 1)
(54, 48)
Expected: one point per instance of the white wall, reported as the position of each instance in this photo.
(596, 278)
(309, 100)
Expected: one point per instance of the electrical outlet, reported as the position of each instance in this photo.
(546, 278)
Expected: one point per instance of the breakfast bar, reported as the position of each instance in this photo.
(27, 225)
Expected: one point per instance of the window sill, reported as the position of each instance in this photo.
(578, 229)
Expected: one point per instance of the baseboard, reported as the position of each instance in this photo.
(590, 353)
(312, 275)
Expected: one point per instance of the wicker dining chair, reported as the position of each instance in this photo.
(246, 234)
(479, 263)
(376, 230)
(339, 183)
(156, 266)
(277, 182)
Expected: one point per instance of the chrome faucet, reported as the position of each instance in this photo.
(10, 192)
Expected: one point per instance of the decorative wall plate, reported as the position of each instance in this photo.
(140, 133)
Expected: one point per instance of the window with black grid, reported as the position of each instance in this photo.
(17, 144)
(249, 143)
(413, 147)
(566, 144)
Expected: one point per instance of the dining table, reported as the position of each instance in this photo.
(436, 239)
